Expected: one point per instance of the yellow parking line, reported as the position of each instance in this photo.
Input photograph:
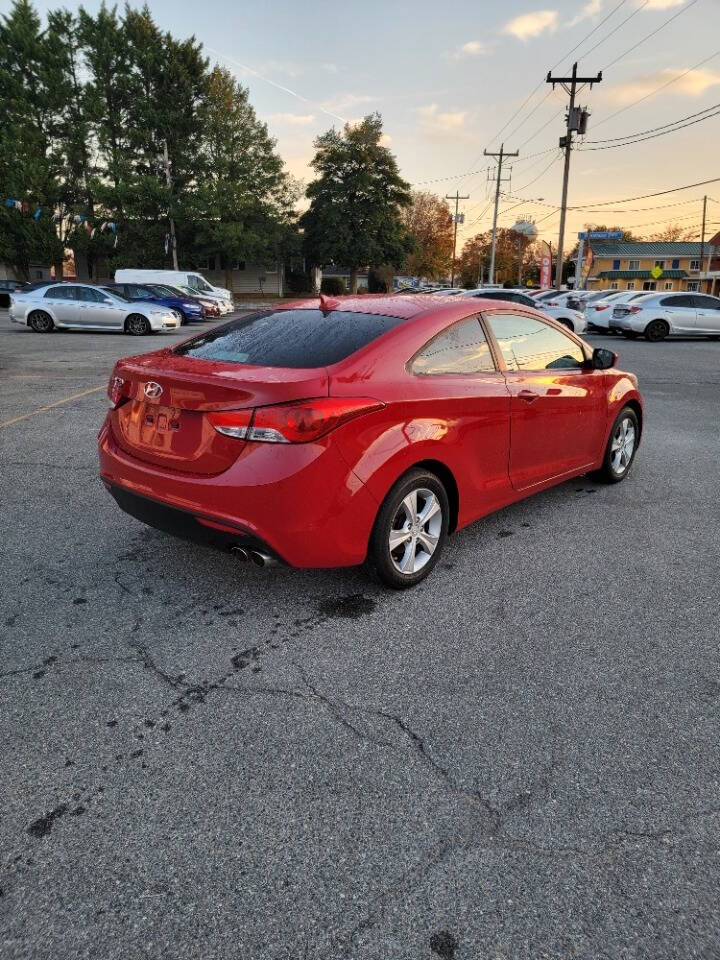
(58, 403)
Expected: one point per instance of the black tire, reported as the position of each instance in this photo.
(41, 322)
(657, 330)
(381, 559)
(137, 325)
(568, 324)
(181, 317)
(609, 473)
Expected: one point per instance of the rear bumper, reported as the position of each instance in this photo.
(185, 525)
(300, 503)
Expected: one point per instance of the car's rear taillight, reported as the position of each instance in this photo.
(118, 391)
(233, 423)
(300, 422)
(635, 309)
(602, 306)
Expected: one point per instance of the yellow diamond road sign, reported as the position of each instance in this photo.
(656, 272)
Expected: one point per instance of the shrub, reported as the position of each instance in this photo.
(333, 286)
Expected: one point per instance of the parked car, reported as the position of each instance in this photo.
(599, 313)
(568, 298)
(223, 306)
(6, 288)
(81, 306)
(572, 319)
(210, 308)
(189, 310)
(659, 315)
(361, 429)
(191, 279)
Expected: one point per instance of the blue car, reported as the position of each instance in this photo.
(190, 310)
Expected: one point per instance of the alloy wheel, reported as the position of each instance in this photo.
(623, 445)
(137, 325)
(415, 531)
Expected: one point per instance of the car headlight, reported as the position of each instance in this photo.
(160, 313)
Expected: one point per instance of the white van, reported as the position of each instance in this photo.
(190, 279)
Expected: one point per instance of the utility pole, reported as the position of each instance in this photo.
(173, 242)
(500, 156)
(457, 198)
(702, 240)
(576, 123)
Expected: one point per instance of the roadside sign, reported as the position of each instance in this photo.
(600, 235)
(656, 273)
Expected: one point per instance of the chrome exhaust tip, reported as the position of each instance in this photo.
(262, 559)
(241, 553)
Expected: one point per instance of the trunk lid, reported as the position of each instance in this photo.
(164, 421)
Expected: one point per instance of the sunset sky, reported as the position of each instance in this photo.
(447, 77)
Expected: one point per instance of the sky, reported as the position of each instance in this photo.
(448, 78)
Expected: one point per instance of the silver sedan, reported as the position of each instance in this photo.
(572, 319)
(82, 306)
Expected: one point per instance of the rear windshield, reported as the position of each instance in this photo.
(290, 338)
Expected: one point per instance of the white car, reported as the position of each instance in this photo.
(659, 315)
(599, 314)
(81, 306)
(572, 319)
(192, 280)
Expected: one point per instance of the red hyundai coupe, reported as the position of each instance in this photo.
(361, 429)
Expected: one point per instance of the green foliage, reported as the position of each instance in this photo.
(333, 286)
(88, 103)
(356, 201)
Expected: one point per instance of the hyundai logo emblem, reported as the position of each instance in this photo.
(152, 390)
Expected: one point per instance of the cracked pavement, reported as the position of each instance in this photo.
(519, 759)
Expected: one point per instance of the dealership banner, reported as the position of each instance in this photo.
(546, 266)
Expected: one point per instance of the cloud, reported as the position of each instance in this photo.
(473, 48)
(293, 119)
(591, 9)
(663, 4)
(692, 84)
(344, 102)
(434, 121)
(529, 25)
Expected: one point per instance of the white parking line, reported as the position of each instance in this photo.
(58, 403)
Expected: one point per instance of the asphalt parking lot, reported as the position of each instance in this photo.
(518, 759)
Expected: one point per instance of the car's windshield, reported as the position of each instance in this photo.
(290, 338)
(196, 282)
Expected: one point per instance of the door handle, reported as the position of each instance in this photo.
(528, 395)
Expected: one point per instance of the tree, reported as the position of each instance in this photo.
(29, 159)
(246, 197)
(674, 233)
(356, 202)
(429, 223)
(510, 255)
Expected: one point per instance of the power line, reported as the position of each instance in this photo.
(662, 26)
(609, 203)
(663, 126)
(654, 136)
(615, 29)
(542, 174)
(555, 66)
(457, 176)
(652, 93)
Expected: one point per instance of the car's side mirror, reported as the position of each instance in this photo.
(603, 359)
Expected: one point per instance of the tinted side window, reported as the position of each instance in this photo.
(529, 344)
(139, 292)
(290, 338)
(460, 349)
(65, 292)
(707, 303)
(682, 301)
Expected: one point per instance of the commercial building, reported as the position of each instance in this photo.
(650, 265)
